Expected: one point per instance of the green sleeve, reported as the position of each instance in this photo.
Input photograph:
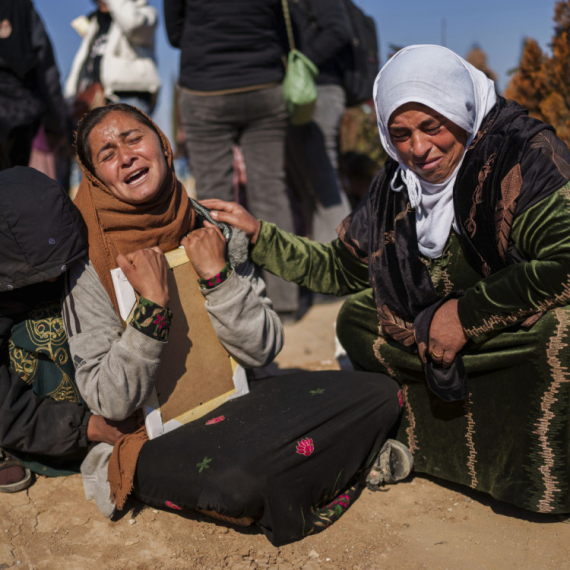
(519, 291)
(322, 267)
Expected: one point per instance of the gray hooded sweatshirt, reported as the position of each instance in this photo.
(116, 367)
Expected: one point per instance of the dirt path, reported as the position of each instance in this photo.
(417, 524)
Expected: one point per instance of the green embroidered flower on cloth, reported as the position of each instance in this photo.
(152, 319)
(204, 464)
(317, 391)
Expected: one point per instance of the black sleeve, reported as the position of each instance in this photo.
(333, 32)
(47, 77)
(354, 230)
(37, 424)
(174, 21)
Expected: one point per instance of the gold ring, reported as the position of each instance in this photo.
(436, 355)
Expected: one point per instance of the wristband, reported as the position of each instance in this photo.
(152, 319)
(217, 279)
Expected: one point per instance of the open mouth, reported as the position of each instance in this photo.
(136, 176)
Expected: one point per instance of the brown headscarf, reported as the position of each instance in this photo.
(116, 227)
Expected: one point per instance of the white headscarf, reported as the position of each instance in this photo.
(440, 79)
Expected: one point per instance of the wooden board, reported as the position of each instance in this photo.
(195, 367)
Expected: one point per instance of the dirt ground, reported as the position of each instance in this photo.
(420, 523)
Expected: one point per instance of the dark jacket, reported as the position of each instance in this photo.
(227, 45)
(30, 87)
(323, 35)
(41, 234)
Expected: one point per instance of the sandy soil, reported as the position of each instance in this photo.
(420, 523)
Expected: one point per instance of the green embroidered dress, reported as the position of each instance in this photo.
(511, 438)
(39, 354)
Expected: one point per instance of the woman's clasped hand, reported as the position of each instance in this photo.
(146, 270)
(206, 249)
(446, 336)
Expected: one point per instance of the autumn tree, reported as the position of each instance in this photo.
(478, 59)
(541, 83)
(528, 84)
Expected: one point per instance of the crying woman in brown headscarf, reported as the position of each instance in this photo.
(244, 460)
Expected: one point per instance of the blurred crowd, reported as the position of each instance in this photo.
(233, 136)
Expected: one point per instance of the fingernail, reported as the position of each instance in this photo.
(214, 214)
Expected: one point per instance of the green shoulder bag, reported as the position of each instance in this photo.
(299, 88)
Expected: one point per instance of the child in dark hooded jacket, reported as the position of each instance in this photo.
(44, 425)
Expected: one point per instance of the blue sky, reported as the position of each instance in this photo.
(498, 26)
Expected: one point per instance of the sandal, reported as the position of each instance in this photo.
(13, 476)
(394, 463)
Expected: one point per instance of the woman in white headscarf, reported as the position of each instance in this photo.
(458, 260)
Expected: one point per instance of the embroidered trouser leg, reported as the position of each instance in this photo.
(289, 454)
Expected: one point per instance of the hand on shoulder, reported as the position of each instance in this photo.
(235, 215)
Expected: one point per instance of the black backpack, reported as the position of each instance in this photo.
(360, 61)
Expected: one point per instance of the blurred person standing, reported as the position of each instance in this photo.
(231, 69)
(312, 149)
(116, 59)
(30, 91)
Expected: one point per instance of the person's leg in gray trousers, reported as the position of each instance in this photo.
(257, 121)
(312, 164)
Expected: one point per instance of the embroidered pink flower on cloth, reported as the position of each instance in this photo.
(160, 321)
(305, 447)
(342, 500)
(214, 281)
(401, 398)
(173, 506)
(215, 420)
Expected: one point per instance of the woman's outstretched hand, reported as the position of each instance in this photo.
(146, 270)
(235, 215)
(206, 249)
(446, 335)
